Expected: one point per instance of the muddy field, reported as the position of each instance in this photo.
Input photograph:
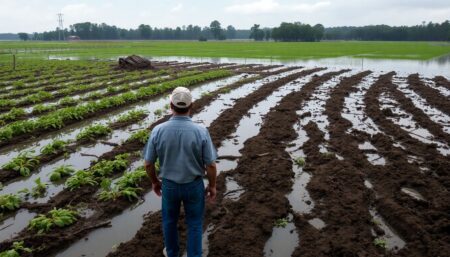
(313, 161)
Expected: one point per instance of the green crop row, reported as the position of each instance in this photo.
(26, 162)
(62, 117)
(56, 217)
(97, 172)
(127, 186)
(52, 78)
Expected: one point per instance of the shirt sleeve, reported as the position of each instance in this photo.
(150, 149)
(209, 151)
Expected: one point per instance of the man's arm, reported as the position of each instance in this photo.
(211, 173)
(151, 172)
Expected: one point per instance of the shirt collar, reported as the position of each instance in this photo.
(183, 117)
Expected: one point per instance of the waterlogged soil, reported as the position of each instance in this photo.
(409, 193)
(103, 211)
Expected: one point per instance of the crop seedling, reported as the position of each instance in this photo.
(40, 108)
(54, 147)
(328, 155)
(225, 90)
(17, 249)
(158, 112)
(13, 114)
(93, 132)
(39, 189)
(59, 217)
(140, 136)
(281, 223)
(81, 178)
(60, 172)
(380, 242)
(126, 186)
(67, 101)
(9, 202)
(105, 168)
(132, 116)
(300, 161)
(205, 94)
(24, 163)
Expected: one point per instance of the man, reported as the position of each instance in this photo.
(185, 151)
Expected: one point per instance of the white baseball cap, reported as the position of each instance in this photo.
(181, 97)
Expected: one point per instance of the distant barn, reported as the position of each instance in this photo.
(73, 38)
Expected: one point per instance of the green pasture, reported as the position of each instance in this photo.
(275, 50)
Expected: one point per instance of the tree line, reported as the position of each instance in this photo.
(423, 32)
(287, 32)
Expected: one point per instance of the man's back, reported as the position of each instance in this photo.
(183, 147)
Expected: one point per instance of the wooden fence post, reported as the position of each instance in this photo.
(14, 62)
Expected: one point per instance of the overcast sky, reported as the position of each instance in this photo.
(40, 15)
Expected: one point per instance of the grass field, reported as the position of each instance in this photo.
(282, 51)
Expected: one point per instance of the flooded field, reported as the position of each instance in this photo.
(314, 159)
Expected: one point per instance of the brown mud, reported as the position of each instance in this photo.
(417, 114)
(432, 95)
(442, 82)
(424, 224)
(226, 123)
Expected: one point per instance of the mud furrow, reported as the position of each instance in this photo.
(431, 95)
(410, 217)
(264, 171)
(442, 82)
(226, 123)
(417, 114)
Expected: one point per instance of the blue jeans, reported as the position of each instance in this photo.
(193, 197)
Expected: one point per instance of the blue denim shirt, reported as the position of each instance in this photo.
(183, 147)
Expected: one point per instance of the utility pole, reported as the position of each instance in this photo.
(60, 27)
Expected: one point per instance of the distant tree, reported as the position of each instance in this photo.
(231, 32)
(319, 30)
(256, 33)
(216, 30)
(23, 36)
(145, 31)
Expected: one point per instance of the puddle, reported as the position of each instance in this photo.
(250, 124)
(429, 68)
(413, 193)
(373, 158)
(354, 108)
(393, 240)
(316, 104)
(102, 241)
(70, 132)
(368, 184)
(442, 90)
(317, 223)
(226, 101)
(81, 162)
(405, 121)
(11, 226)
(234, 190)
(435, 115)
(283, 241)
(299, 197)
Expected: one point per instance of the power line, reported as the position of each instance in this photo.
(60, 26)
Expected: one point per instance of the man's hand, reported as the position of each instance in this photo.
(151, 171)
(157, 187)
(211, 193)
